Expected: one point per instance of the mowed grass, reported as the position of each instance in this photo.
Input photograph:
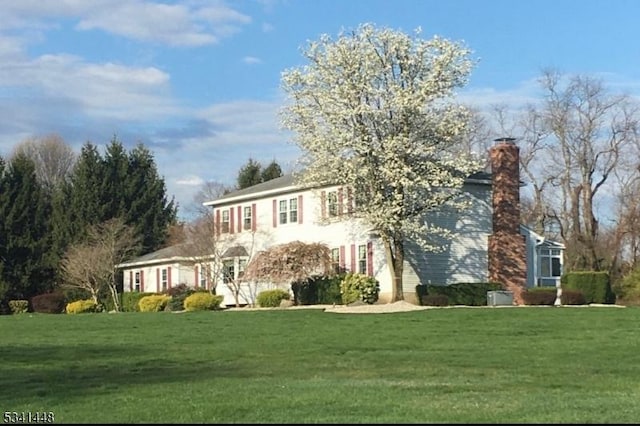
(460, 365)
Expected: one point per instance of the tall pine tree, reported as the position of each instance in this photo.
(27, 269)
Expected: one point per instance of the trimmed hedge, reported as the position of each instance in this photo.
(470, 294)
(154, 303)
(19, 306)
(201, 301)
(539, 296)
(434, 300)
(272, 298)
(81, 306)
(318, 289)
(131, 300)
(48, 303)
(595, 286)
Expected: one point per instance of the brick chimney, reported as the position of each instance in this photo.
(507, 250)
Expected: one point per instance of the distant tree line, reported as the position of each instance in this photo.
(50, 199)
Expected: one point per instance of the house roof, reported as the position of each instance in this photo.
(167, 254)
(287, 183)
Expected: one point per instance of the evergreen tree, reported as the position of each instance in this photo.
(250, 174)
(86, 201)
(272, 171)
(147, 208)
(27, 269)
(115, 166)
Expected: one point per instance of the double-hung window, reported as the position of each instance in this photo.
(288, 211)
(164, 279)
(362, 259)
(247, 217)
(225, 221)
(228, 271)
(332, 203)
(293, 210)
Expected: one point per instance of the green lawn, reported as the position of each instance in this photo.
(460, 365)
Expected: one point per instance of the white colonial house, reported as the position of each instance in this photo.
(279, 211)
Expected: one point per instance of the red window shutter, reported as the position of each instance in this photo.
(196, 282)
(217, 223)
(275, 213)
(141, 281)
(254, 218)
(130, 280)
(340, 202)
(370, 258)
(342, 257)
(349, 200)
(158, 284)
(323, 204)
(300, 209)
(168, 276)
(353, 258)
(231, 224)
(239, 218)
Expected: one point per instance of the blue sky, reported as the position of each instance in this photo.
(198, 81)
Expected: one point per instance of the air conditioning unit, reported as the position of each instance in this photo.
(499, 298)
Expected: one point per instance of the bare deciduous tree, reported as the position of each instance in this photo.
(53, 158)
(91, 264)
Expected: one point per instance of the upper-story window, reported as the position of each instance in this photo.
(225, 221)
(332, 203)
(288, 211)
(247, 217)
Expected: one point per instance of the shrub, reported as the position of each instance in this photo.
(305, 292)
(629, 287)
(131, 300)
(272, 298)
(48, 303)
(154, 303)
(19, 306)
(81, 306)
(178, 295)
(470, 294)
(434, 300)
(355, 286)
(594, 285)
(537, 296)
(201, 301)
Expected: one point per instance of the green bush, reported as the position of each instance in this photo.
(130, 301)
(469, 294)
(178, 294)
(329, 290)
(434, 300)
(318, 289)
(154, 303)
(19, 306)
(48, 303)
(305, 292)
(594, 285)
(629, 287)
(272, 298)
(201, 301)
(81, 306)
(355, 286)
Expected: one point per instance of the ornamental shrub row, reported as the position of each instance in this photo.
(470, 294)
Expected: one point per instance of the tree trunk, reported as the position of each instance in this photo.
(394, 253)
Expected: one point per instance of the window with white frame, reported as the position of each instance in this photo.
(136, 285)
(283, 212)
(247, 217)
(335, 259)
(203, 276)
(362, 259)
(293, 210)
(164, 279)
(332, 203)
(242, 265)
(225, 221)
(288, 211)
(550, 263)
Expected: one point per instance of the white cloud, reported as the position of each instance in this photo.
(251, 60)
(267, 27)
(184, 24)
(190, 180)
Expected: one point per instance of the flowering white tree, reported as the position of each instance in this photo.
(374, 110)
